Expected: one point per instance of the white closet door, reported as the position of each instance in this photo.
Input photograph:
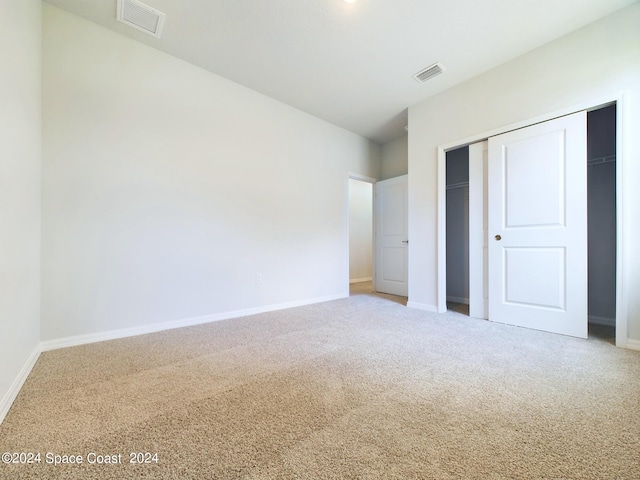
(538, 227)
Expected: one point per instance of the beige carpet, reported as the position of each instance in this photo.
(360, 388)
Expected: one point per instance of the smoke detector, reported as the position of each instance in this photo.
(428, 73)
(140, 16)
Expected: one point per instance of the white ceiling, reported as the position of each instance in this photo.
(352, 64)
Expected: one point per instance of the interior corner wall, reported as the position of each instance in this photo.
(168, 189)
(598, 60)
(395, 158)
(20, 165)
(360, 230)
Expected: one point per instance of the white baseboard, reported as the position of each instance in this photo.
(423, 306)
(458, 300)
(14, 390)
(358, 280)
(633, 344)
(185, 322)
(610, 322)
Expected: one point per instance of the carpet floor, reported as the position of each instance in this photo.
(358, 388)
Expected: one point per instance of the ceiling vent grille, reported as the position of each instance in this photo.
(140, 16)
(428, 73)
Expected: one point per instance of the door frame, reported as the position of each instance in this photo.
(372, 181)
(623, 185)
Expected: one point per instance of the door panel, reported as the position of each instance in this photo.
(478, 248)
(393, 264)
(538, 227)
(391, 236)
(534, 169)
(548, 291)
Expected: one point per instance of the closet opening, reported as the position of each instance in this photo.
(601, 221)
(457, 229)
(360, 236)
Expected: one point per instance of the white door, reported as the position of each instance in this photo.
(538, 226)
(391, 236)
(478, 219)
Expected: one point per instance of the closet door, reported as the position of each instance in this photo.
(538, 226)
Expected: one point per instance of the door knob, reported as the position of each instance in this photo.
(498, 237)
(405, 241)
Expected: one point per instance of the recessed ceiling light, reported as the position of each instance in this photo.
(350, 1)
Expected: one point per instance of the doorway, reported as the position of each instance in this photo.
(360, 235)
(602, 226)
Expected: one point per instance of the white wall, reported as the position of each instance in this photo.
(166, 189)
(20, 165)
(600, 59)
(395, 158)
(360, 230)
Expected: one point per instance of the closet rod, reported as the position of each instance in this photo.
(457, 185)
(598, 161)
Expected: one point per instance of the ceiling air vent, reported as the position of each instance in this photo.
(428, 73)
(140, 16)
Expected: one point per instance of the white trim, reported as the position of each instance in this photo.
(185, 322)
(610, 322)
(633, 344)
(441, 243)
(423, 306)
(358, 280)
(362, 178)
(14, 390)
(458, 300)
(623, 187)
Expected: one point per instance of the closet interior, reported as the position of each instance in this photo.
(601, 215)
(458, 229)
